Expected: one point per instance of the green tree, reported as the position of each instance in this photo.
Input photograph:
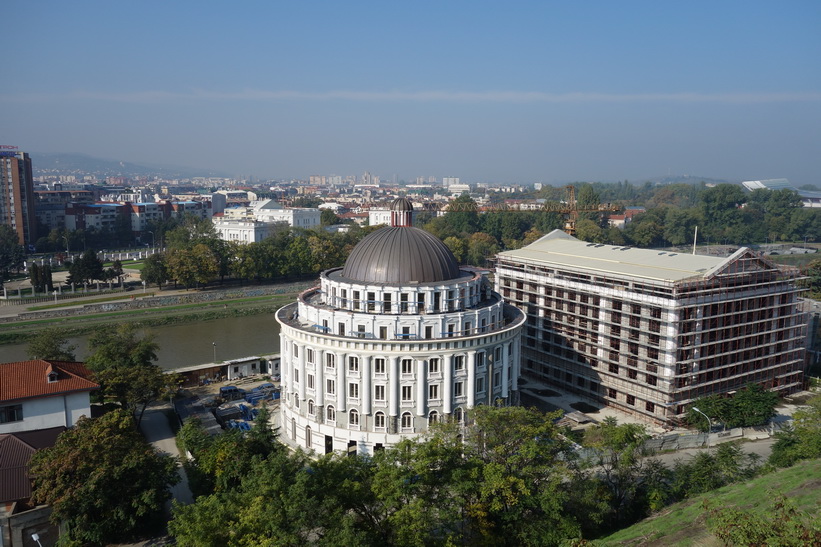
(155, 270)
(328, 218)
(588, 230)
(458, 247)
(12, 254)
(51, 344)
(103, 480)
(120, 346)
(481, 247)
(801, 441)
(87, 268)
(194, 266)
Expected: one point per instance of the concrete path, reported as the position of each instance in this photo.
(157, 431)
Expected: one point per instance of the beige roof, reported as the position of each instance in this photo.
(559, 249)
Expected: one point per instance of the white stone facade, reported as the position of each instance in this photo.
(364, 365)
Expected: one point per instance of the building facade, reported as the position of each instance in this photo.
(17, 195)
(397, 339)
(649, 331)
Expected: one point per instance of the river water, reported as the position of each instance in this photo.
(193, 343)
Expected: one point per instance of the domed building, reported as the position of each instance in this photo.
(399, 338)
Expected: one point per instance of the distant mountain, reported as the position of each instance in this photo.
(81, 164)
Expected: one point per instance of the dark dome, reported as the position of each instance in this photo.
(399, 255)
(401, 204)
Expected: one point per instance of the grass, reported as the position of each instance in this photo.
(88, 301)
(684, 523)
(794, 260)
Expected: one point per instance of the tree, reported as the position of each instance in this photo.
(155, 270)
(51, 344)
(328, 218)
(802, 441)
(193, 267)
(782, 524)
(86, 269)
(481, 246)
(748, 407)
(103, 479)
(120, 346)
(458, 247)
(11, 252)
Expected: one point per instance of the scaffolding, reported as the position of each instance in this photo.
(652, 347)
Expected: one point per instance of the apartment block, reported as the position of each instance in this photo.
(649, 331)
(17, 194)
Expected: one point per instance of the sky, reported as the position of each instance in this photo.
(513, 92)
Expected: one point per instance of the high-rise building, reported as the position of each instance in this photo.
(17, 195)
(650, 331)
(397, 339)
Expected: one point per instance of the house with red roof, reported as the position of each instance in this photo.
(41, 394)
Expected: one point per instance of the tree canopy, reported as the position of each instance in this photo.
(103, 480)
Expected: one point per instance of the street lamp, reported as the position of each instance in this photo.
(709, 423)
(215, 351)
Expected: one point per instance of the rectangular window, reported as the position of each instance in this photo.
(379, 366)
(480, 384)
(631, 400)
(310, 381)
(330, 386)
(387, 303)
(378, 393)
(353, 364)
(433, 392)
(296, 375)
(403, 303)
(428, 332)
(12, 413)
(450, 330)
(407, 366)
(383, 333)
(433, 366)
(407, 394)
(458, 389)
(310, 355)
(330, 360)
(459, 362)
(353, 391)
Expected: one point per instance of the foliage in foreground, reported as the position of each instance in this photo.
(748, 407)
(103, 479)
(783, 525)
(510, 479)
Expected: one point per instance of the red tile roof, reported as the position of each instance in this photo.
(29, 379)
(15, 452)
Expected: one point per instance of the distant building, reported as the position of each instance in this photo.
(17, 195)
(808, 198)
(648, 331)
(245, 230)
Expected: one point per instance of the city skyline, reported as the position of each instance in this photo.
(528, 93)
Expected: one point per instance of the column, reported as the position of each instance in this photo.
(341, 387)
(516, 364)
(393, 386)
(447, 372)
(285, 364)
(504, 367)
(366, 385)
(301, 368)
(320, 378)
(471, 387)
(421, 388)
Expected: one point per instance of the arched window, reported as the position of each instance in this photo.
(308, 437)
(407, 422)
(353, 418)
(433, 417)
(311, 409)
(379, 420)
(330, 414)
(459, 416)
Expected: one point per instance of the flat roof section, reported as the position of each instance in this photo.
(558, 249)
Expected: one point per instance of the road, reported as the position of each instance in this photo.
(156, 430)
(762, 448)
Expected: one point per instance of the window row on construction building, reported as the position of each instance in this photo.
(650, 331)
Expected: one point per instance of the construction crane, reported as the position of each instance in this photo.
(570, 209)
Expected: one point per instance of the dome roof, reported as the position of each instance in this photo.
(401, 204)
(399, 255)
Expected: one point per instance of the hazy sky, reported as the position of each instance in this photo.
(486, 91)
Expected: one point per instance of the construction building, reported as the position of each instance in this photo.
(650, 331)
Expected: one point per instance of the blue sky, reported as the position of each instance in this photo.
(486, 91)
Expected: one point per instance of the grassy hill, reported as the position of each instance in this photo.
(684, 523)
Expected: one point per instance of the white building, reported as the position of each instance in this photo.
(43, 394)
(399, 338)
(245, 231)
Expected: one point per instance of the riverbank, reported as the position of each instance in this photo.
(169, 308)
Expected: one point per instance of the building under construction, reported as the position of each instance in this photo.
(650, 331)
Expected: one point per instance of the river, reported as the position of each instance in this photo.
(193, 343)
